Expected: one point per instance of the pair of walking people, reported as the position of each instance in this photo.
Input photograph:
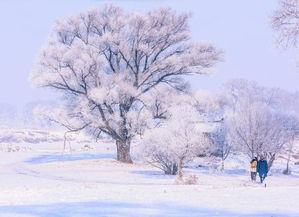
(260, 167)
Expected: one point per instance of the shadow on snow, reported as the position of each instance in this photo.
(154, 174)
(118, 209)
(67, 157)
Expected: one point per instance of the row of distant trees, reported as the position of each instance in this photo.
(13, 117)
(122, 75)
(243, 118)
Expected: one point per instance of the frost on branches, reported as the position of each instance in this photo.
(260, 121)
(220, 144)
(285, 21)
(110, 64)
(177, 140)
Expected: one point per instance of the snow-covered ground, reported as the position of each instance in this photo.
(40, 181)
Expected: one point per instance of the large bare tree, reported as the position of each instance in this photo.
(111, 65)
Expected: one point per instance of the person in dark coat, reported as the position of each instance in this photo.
(262, 169)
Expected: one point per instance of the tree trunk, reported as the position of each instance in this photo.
(123, 151)
(174, 169)
(271, 161)
(180, 170)
(170, 169)
(222, 165)
(287, 170)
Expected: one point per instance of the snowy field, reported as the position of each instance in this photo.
(39, 181)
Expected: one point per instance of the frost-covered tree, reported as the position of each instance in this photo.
(285, 21)
(240, 91)
(289, 151)
(220, 142)
(291, 124)
(260, 120)
(255, 129)
(110, 65)
(176, 141)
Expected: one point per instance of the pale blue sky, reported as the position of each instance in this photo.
(239, 27)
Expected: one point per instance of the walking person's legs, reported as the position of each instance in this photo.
(254, 176)
(261, 178)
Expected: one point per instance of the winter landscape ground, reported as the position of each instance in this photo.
(39, 180)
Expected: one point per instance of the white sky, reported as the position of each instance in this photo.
(240, 28)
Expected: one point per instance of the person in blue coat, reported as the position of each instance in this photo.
(262, 169)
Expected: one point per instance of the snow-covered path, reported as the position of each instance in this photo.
(46, 184)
